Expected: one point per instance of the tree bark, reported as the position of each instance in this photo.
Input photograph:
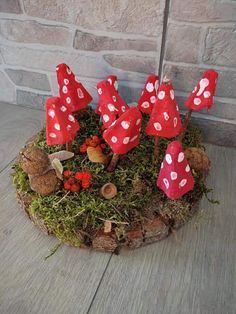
(113, 162)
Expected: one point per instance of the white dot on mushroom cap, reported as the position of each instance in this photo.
(157, 126)
(126, 140)
(125, 124)
(113, 123)
(145, 104)
(114, 98)
(114, 139)
(187, 169)
(100, 91)
(111, 107)
(64, 89)
(80, 93)
(197, 101)
(138, 121)
(51, 113)
(77, 80)
(66, 81)
(194, 90)
(153, 99)
(173, 175)
(156, 85)
(53, 135)
(123, 108)
(63, 108)
(172, 94)
(150, 87)
(116, 85)
(166, 116)
(68, 100)
(110, 81)
(177, 107)
(68, 70)
(71, 118)
(57, 126)
(206, 94)
(68, 127)
(53, 106)
(105, 118)
(180, 157)
(162, 165)
(175, 121)
(133, 138)
(166, 182)
(57, 68)
(161, 95)
(183, 182)
(168, 159)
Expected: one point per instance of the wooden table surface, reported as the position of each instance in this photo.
(192, 273)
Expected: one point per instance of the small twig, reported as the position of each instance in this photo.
(115, 222)
(61, 199)
(53, 250)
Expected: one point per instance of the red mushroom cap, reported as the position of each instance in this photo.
(111, 105)
(124, 133)
(72, 92)
(165, 119)
(112, 79)
(149, 94)
(175, 177)
(61, 126)
(203, 94)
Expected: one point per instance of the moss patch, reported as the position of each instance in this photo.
(75, 218)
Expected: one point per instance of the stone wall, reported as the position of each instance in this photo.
(129, 38)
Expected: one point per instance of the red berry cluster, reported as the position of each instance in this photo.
(92, 141)
(80, 179)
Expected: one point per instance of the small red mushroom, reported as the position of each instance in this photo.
(112, 79)
(175, 177)
(165, 119)
(72, 92)
(123, 134)
(149, 94)
(61, 126)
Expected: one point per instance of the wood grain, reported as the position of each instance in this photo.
(195, 273)
(17, 125)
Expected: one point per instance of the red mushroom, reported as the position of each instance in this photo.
(165, 119)
(111, 105)
(149, 94)
(123, 134)
(202, 96)
(112, 79)
(61, 126)
(72, 92)
(175, 177)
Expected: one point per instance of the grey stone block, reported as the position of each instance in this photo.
(32, 100)
(34, 32)
(203, 10)
(220, 47)
(10, 6)
(88, 41)
(8, 93)
(182, 43)
(130, 16)
(186, 77)
(129, 92)
(132, 63)
(29, 79)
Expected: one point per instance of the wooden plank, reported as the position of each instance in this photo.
(195, 273)
(64, 283)
(17, 125)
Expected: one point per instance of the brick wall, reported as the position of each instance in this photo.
(129, 38)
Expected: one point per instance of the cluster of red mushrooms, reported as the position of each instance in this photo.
(121, 123)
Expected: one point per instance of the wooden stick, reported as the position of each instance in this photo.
(69, 146)
(156, 147)
(185, 125)
(115, 158)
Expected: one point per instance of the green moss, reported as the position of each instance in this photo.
(69, 215)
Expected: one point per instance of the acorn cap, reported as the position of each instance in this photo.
(108, 190)
(34, 160)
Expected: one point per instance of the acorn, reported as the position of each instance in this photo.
(198, 159)
(34, 160)
(108, 190)
(46, 183)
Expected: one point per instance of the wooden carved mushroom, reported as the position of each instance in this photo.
(72, 92)
(61, 126)
(149, 94)
(175, 177)
(165, 119)
(123, 134)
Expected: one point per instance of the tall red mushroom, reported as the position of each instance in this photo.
(72, 92)
(112, 79)
(61, 126)
(110, 105)
(202, 96)
(165, 119)
(175, 177)
(149, 94)
(123, 134)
